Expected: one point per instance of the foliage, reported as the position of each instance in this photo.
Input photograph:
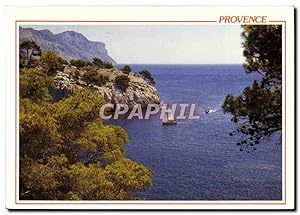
(51, 62)
(263, 52)
(107, 65)
(38, 129)
(63, 61)
(66, 152)
(126, 69)
(97, 62)
(34, 84)
(122, 82)
(128, 177)
(80, 63)
(258, 109)
(28, 53)
(93, 77)
(101, 64)
(148, 76)
(74, 113)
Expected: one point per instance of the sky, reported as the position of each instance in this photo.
(163, 43)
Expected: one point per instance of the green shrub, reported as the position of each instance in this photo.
(51, 62)
(93, 77)
(80, 63)
(97, 62)
(148, 76)
(63, 61)
(28, 54)
(122, 82)
(107, 65)
(34, 84)
(101, 64)
(126, 69)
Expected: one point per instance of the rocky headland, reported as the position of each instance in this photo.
(138, 90)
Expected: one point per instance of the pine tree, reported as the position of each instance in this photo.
(258, 110)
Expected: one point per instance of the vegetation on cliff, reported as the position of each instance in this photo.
(148, 76)
(66, 152)
(122, 82)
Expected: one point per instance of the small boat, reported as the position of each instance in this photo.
(169, 118)
(210, 111)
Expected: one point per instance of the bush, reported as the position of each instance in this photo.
(101, 64)
(148, 76)
(51, 62)
(126, 69)
(97, 62)
(107, 65)
(80, 63)
(93, 77)
(122, 82)
(28, 54)
(34, 84)
(63, 61)
(66, 139)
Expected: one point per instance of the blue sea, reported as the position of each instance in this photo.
(197, 159)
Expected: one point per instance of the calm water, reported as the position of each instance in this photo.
(197, 159)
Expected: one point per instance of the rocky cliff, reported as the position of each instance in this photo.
(138, 91)
(69, 45)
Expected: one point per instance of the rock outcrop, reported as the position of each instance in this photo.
(138, 91)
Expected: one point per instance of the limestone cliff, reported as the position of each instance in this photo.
(69, 44)
(138, 91)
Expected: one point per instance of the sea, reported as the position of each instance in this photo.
(197, 159)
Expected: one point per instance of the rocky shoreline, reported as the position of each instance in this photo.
(137, 92)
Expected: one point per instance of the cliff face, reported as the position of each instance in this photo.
(138, 91)
(69, 45)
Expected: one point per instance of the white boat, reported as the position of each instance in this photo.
(169, 118)
(210, 111)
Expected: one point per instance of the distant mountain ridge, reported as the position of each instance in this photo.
(69, 44)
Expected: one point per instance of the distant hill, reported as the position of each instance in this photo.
(69, 44)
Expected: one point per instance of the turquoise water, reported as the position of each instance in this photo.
(197, 159)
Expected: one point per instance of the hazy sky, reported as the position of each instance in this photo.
(166, 44)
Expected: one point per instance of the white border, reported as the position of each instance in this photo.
(145, 13)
